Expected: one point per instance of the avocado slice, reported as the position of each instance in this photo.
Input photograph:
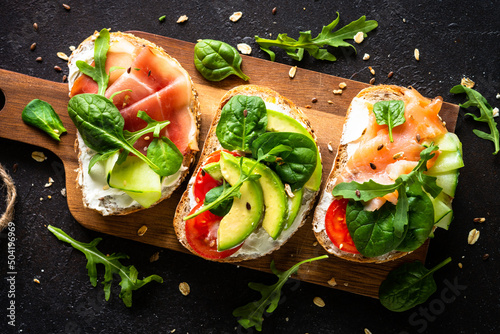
(278, 122)
(246, 212)
(213, 169)
(294, 207)
(275, 198)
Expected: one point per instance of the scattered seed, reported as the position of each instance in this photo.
(332, 282)
(498, 96)
(33, 47)
(292, 72)
(381, 146)
(308, 106)
(391, 73)
(14, 167)
(342, 85)
(319, 302)
(236, 16)
(35, 26)
(337, 91)
(372, 166)
(36, 280)
(105, 187)
(315, 244)
(38, 59)
(460, 265)
(57, 68)
(416, 53)
(41, 199)
(38, 156)
(473, 236)
(366, 56)
(245, 112)
(358, 193)
(289, 191)
(142, 230)
(486, 256)
(314, 100)
(154, 257)
(346, 284)
(63, 192)
(330, 147)
(244, 48)
(495, 112)
(367, 331)
(372, 81)
(63, 56)
(398, 155)
(417, 138)
(64, 78)
(479, 220)
(72, 48)
(67, 7)
(372, 71)
(249, 207)
(467, 82)
(359, 37)
(274, 11)
(182, 19)
(341, 246)
(184, 288)
(330, 102)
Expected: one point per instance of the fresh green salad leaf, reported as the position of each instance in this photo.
(294, 166)
(477, 100)
(164, 154)
(98, 73)
(408, 286)
(243, 119)
(224, 207)
(251, 315)
(390, 113)
(40, 114)
(128, 274)
(315, 46)
(216, 60)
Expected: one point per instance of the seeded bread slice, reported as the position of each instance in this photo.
(117, 202)
(212, 144)
(371, 94)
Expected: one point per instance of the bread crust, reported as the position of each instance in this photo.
(212, 144)
(111, 208)
(372, 94)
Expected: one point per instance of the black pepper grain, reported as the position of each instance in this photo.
(372, 166)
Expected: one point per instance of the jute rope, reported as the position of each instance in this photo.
(8, 215)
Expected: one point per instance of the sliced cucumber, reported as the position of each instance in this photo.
(213, 169)
(137, 179)
(443, 214)
(447, 161)
(448, 181)
(449, 142)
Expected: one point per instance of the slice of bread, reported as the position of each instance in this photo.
(212, 144)
(354, 125)
(96, 194)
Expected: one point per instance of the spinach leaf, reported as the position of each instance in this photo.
(243, 119)
(129, 281)
(216, 60)
(98, 73)
(223, 207)
(390, 113)
(164, 154)
(486, 116)
(251, 315)
(294, 166)
(316, 46)
(408, 286)
(101, 125)
(40, 114)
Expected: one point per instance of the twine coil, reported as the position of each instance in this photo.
(8, 183)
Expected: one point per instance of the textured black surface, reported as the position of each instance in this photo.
(455, 39)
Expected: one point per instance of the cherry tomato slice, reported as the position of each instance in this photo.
(201, 235)
(336, 227)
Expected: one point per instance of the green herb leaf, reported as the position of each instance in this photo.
(477, 100)
(296, 164)
(390, 113)
(40, 114)
(251, 315)
(164, 154)
(98, 73)
(128, 274)
(407, 286)
(316, 46)
(223, 207)
(243, 119)
(100, 157)
(216, 60)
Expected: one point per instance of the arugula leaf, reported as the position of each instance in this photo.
(129, 281)
(98, 73)
(315, 46)
(390, 113)
(40, 114)
(477, 100)
(251, 315)
(407, 286)
(242, 120)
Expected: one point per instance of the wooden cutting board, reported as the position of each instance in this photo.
(326, 119)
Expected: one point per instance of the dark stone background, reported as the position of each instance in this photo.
(455, 39)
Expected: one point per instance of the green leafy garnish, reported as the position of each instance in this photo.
(316, 46)
(477, 100)
(212, 195)
(408, 286)
(251, 315)
(128, 274)
(390, 113)
(216, 60)
(98, 73)
(40, 114)
(162, 18)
